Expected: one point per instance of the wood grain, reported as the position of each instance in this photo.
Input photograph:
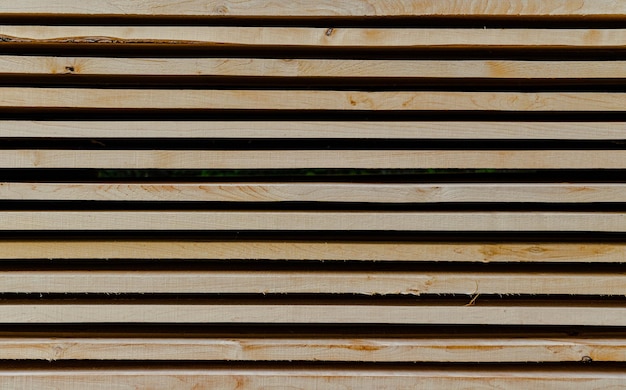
(472, 350)
(319, 192)
(303, 8)
(311, 282)
(410, 38)
(312, 220)
(295, 67)
(329, 129)
(286, 159)
(120, 249)
(476, 314)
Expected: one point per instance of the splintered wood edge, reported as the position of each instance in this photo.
(473, 350)
(303, 8)
(120, 249)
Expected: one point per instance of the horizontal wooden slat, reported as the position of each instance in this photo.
(320, 37)
(309, 100)
(299, 250)
(330, 129)
(270, 159)
(318, 192)
(75, 312)
(311, 282)
(312, 220)
(264, 8)
(262, 67)
(314, 378)
(317, 349)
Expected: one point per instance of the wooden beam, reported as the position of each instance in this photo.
(319, 192)
(287, 159)
(312, 220)
(311, 282)
(474, 350)
(329, 129)
(301, 250)
(75, 312)
(294, 67)
(303, 8)
(408, 38)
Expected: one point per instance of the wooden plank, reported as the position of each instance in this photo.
(474, 350)
(294, 67)
(319, 192)
(409, 38)
(312, 220)
(302, 250)
(303, 8)
(13, 97)
(312, 378)
(286, 159)
(311, 282)
(329, 129)
(75, 312)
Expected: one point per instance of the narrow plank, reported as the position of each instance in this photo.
(320, 378)
(286, 159)
(303, 8)
(294, 67)
(74, 312)
(452, 350)
(410, 38)
(311, 282)
(318, 192)
(312, 220)
(13, 97)
(302, 250)
(329, 129)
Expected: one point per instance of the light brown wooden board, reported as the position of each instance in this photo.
(295, 67)
(318, 192)
(265, 8)
(330, 129)
(121, 249)
(320, 37)
(472, 350)
(312, 220)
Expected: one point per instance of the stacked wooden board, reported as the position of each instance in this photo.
(358, 194)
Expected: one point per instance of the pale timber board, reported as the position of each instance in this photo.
(312, 220)
(28, 97)
(304, 8)
(329, 129)
(318, 192)
(303, 282)
(319, 37)
(299, 250)
(435, 349)
(294, 67)
(74, 312)
(286, 159)
(313, 378)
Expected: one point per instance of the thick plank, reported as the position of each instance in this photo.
(318, 192)
(13, 97)
(475, 350)
(300, 250)
(294, 67)
(75, 312)
(311, 282)
(265, 8)
(312, 220)
(319, 37)
(313, 378)
(330, 129)
(270, 159)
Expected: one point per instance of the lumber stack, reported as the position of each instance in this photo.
(357, 194)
